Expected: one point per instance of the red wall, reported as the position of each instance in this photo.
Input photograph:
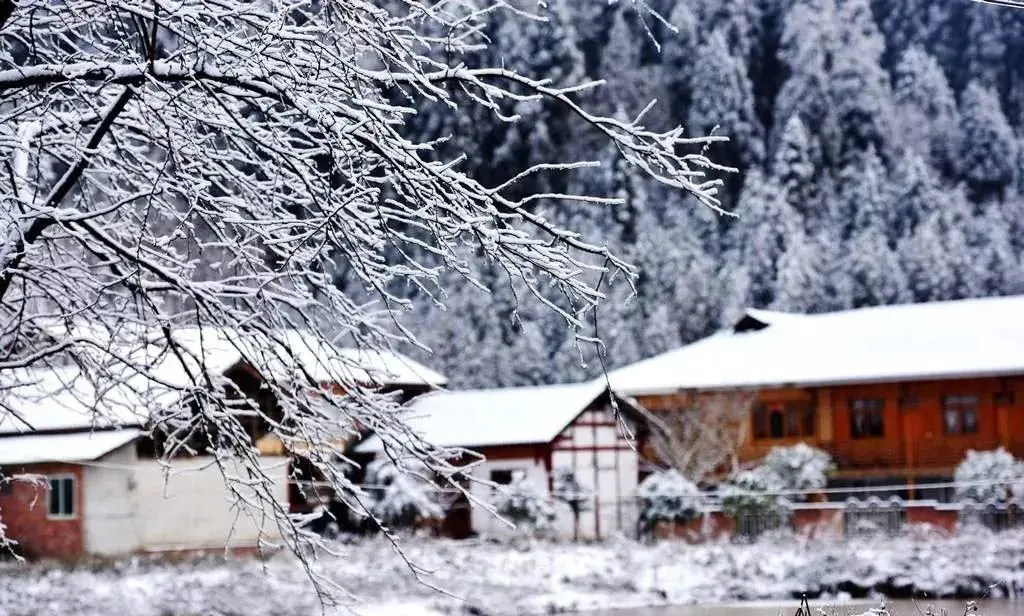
(23, 508)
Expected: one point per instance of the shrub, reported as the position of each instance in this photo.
(800, 467)
(752, 492)
(667, 496)
(997, 466)
(784, 469)
(525, 506)
(402, 497)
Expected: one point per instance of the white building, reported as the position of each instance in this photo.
(101, 489)
(530, 432)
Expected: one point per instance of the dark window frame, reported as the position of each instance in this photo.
(60, 497)
(506, 476)
(789, 420)
(867, 418)
(962, 409)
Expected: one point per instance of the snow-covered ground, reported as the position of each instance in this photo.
(491, 578)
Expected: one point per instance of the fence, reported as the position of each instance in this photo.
(856, 517)
(873, 516)
(996, 517)
(751, 526)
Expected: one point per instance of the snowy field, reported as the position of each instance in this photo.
(496, 579)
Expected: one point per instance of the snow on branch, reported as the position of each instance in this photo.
(200, 174)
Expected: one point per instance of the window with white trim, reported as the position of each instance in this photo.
(61, 501)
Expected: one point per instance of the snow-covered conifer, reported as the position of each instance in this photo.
(732, 108)
(928, 118)
(987, 147)
(767, 225)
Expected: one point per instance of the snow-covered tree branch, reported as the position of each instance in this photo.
(173, 166)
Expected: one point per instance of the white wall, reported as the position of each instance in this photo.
(130, 505)
(109, 519)
(604, 464)
(191, 509)
(486, 523)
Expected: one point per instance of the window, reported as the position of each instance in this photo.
(62, 497)
(867, 417)
(504, 477)
(775, 424)
(960, 414)
(791, 420)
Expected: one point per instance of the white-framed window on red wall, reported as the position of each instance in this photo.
(61, 497)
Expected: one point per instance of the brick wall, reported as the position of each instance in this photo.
(23, 508)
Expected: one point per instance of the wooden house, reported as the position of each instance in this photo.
(896, 394)
(101, 488)
(529, 432)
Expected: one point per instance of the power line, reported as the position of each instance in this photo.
(1013, 4)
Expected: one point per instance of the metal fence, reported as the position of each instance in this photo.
(750, 526)
(873, 516)
(996, 517)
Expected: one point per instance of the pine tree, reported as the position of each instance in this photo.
(863, 202)
(835, 291)
(678, 51)
(794, 168)
(985, 53)
(995, 269)
(731, 107)
(876, 276)
(799, 277)
(767, 225)
(916, 195)
(741, 25)
(988, 149)
(936, 257)
(807, 49)
(859, 88)
(927, 118)
(534, 47)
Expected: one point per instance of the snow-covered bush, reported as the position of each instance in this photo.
(800, 467)
(402, 497)
(784, 469)
(521, 503)
(1004, 472)
(753, 492)
(667, 496)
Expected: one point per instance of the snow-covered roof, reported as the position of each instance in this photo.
(76, 447)
(954, 339)
(489, 417)
(62, 399)
(218, 349)
(223, 348)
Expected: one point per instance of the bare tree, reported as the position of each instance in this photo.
(173, 166)
(701, 437)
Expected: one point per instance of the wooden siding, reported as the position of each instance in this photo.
(913, 438)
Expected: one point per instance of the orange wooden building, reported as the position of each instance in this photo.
(896, 394)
